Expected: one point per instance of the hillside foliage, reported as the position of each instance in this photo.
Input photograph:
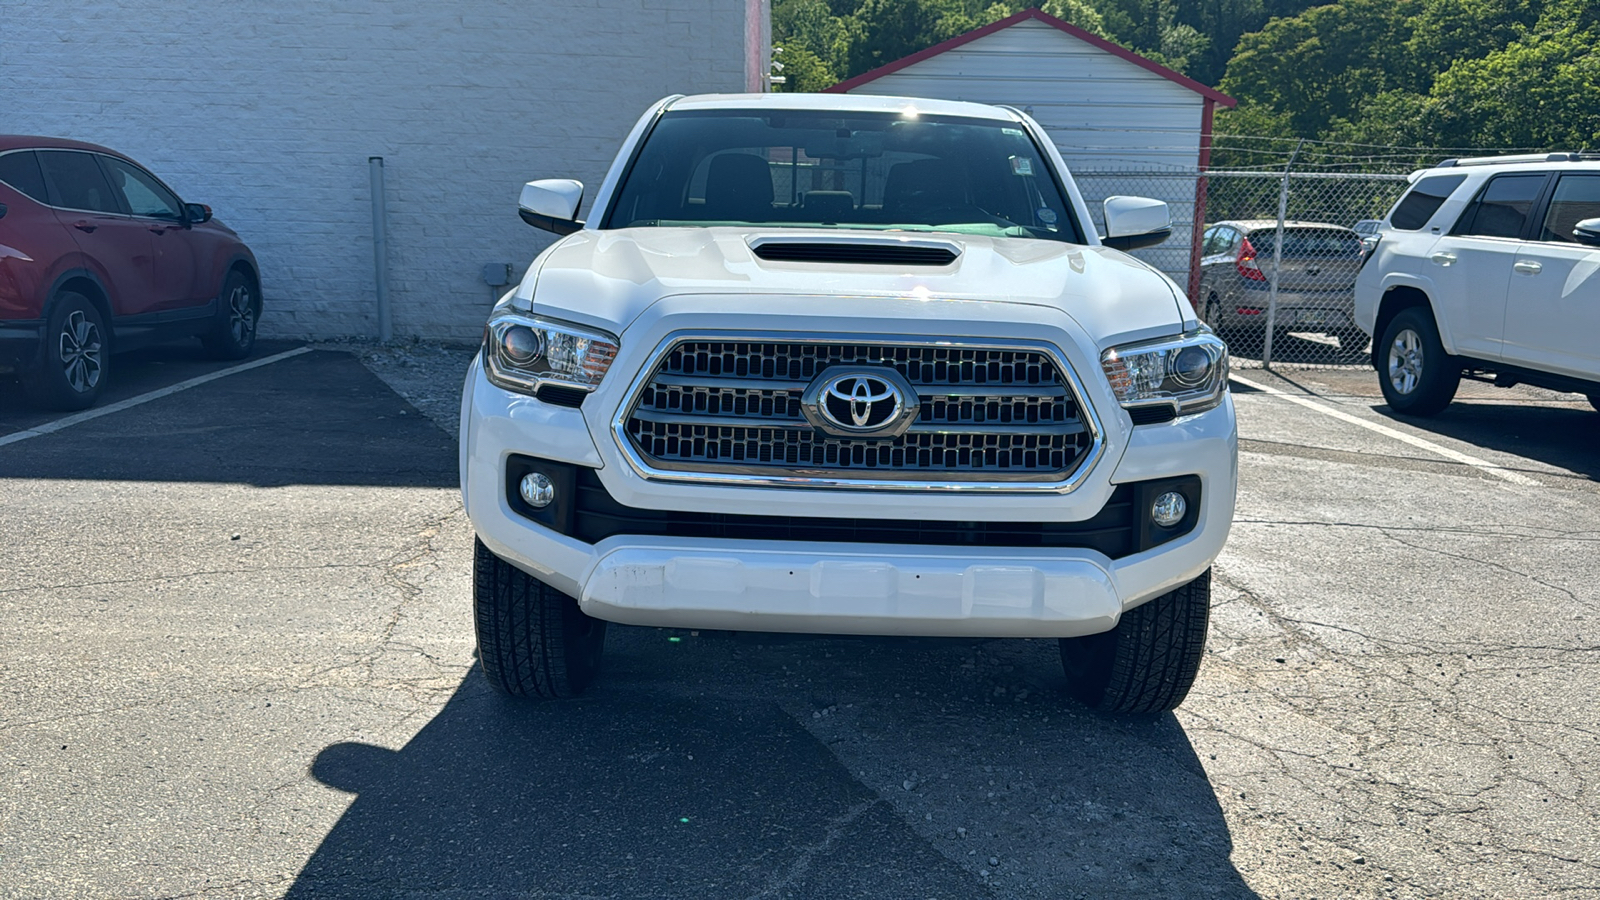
(1379, 73)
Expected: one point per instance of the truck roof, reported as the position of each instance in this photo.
(845, 103)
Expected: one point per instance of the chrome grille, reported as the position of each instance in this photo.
(988, 414)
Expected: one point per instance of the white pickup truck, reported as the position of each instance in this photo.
(849, 365)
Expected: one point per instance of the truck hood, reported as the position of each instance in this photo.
(607, 278)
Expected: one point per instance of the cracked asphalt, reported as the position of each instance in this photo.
(236, 661)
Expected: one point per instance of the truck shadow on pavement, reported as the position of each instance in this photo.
(716, 765)
(317, 418)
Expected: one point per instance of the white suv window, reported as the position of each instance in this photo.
(1577, 197)
(1501, 208)
(1423, 200)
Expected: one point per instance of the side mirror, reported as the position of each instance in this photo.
(552, 204)
(195, 213)
(1134, 222)
(1587, 232)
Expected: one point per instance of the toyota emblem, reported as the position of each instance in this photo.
(860, 402)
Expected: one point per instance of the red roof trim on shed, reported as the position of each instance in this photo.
(1037, 15)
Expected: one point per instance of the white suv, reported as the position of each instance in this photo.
(1487, 268)
(851, 365)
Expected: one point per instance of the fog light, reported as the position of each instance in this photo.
(1169, 508)
(539, 492)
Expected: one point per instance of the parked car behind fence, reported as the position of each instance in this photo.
(1368, 229)
(1316, 274)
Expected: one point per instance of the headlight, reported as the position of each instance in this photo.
(521, 352)
(1189, 373)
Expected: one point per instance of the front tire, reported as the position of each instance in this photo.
(1149, 661)
(533, 640)
(75, 361)
(233, 333)
(1418, 378)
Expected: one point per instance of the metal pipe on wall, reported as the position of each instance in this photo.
(380, 247)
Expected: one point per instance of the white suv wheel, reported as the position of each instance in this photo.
(1418, 376)
(1406, 361)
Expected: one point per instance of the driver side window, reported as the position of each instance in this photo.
(1501, 208)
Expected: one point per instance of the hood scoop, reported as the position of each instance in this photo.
(856, 250)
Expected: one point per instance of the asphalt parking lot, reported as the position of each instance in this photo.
(238, 659)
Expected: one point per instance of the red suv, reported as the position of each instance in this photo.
(97, 255)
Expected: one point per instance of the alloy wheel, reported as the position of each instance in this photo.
(80, 350)
(241, 314)
(1405, 361)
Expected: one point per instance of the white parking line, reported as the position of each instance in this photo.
(1386, 431)
(120, 405)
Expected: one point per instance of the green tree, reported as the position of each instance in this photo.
(1076, 12)
(826, 41)
(804, 72)
(1154, 27)
(1423, 73)
(882, 31)
(814, 40)
(1536, 92)
(1319, 66)
(1448, 30)
(1181, 47)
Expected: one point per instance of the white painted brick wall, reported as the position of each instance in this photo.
(269, 111)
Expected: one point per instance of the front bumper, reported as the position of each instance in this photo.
(865, 589)
(842, 588)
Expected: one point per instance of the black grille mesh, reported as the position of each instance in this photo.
(1000, 413)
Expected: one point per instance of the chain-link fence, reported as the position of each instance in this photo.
(1269, 259)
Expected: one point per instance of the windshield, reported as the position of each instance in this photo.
(822, 169)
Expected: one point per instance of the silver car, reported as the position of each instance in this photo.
(1316, 276)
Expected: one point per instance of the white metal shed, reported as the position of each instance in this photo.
(1123, 123)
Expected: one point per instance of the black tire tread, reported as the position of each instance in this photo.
(1148, 663)
(526, 644)
(1441, 377)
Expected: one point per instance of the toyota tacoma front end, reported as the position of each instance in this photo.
(850, 365)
